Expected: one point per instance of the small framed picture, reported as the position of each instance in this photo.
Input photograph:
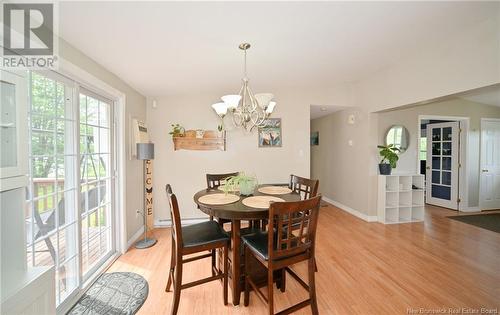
(270, 133)
(315, 138)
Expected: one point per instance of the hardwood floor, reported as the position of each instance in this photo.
(364, 268)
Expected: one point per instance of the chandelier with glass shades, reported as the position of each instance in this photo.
(248, 110)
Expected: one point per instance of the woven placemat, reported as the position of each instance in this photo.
(218, 199)
(261, 202)
(275, 190)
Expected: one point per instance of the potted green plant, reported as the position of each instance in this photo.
(244, 183)
(389, 154)
(177, 131)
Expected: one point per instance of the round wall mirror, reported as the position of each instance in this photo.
(399, 137)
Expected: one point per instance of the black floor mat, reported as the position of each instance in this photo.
(486, 221)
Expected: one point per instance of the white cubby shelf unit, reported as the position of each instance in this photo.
(400, 198)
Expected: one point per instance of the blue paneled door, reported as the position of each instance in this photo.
(443, 156)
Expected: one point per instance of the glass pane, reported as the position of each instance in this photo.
(42, 142)
(44, 217)
(43, 95)
(83, 109)
(67, 278)
(102, 217)
(447, 134)
(105, 242)
(67, 210)
(42, 187)
(92, 111)
(93, 196)
(92, 166)
(45, 252)
(104, 165)
(446, 178)
(93, 222)
(65, 137)
(93, 253)
(447, 163)
(60, 168)
(85, 255)
(87, 144)
(436, 148)
(104, 188)
(59, 100)
(435, 177)
(104, 114)
(83, 144)
(89, 131)
(8, 134)
(8, 142)
(84, 199)
(447, 148)
(103, 140)
(29, 256)
(43, 169)
(67, 242)
(441, 192)
(436, 163)
(436, 134)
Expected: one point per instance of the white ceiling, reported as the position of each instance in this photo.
(163, 48)
(488, 96)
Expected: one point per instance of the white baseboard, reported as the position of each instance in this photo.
(165, 223)
(135, 237)
(471, 209)
(356, 213)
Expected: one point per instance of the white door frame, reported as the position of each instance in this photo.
(481, 158)
(463, 192)
(82, 77)
(91, 82)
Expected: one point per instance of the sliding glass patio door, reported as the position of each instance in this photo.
(96, 178)
(70, 200)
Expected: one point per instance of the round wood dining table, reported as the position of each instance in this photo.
(236, 212)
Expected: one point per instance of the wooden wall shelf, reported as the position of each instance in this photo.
(210, 141)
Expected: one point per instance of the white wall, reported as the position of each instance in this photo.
(135, 105)
(342, 160)
(185, 170)
(408, 117)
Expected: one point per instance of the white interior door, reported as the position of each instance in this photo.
(442, 164)
(490, 165)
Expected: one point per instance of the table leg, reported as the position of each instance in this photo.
(235, 261)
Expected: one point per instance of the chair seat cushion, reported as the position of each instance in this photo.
(257, 242)
(203, 233)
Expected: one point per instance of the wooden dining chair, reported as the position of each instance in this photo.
(307, 188)
(193, 239)
(214, 181)
(283, 247)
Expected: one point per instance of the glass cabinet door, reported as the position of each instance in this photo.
(13, 118)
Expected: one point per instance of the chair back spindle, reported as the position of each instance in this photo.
(214, 181)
